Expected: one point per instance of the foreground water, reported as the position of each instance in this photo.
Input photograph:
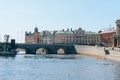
(56, 67)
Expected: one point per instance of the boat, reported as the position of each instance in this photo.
(6, 49)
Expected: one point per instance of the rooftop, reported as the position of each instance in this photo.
(109, 30)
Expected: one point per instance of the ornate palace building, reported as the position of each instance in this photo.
(68, 36)
(78, 36)
(109, 37)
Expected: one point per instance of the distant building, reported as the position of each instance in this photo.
(91, 38)
(77, 37)
(64, 37)
(46, 37)
(83, 37)
(32, 37)
(68, 36)
(107, 36)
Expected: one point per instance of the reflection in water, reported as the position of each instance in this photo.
(57, 67)
(117, 72)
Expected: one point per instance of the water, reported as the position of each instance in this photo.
(54, 67)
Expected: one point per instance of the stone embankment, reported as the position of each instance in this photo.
(90, 50)
(114, 54)
(101, 52)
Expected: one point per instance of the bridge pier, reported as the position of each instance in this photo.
(51, 50)
(30, 51)
(70, 50)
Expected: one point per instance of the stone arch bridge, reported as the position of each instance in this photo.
(49, 48)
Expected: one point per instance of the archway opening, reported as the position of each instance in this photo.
(60, 51)
(41, 51)
(21, 51)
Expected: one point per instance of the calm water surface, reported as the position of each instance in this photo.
(54, 67)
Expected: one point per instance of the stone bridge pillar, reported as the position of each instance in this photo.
(70, 50)
(51, 50)
(30, 51)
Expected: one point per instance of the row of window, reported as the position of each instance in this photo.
(80, 41)
(82, 38)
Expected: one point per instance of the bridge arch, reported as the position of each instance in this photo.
(21, 50)
(41, 51)
(60, 51)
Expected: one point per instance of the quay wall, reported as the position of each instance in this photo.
(90, 51)
(114, 54)
(100, 52)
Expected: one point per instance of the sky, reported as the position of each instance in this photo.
(18, 16)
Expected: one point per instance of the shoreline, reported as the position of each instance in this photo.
(99, 52)
(113, 57)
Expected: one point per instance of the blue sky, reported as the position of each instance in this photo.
(18, 16)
